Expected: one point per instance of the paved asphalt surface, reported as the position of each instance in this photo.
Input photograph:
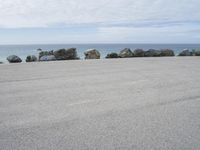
(119, 104)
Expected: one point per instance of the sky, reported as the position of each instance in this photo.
(99, 21)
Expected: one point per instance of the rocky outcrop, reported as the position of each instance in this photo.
(66, 54)
(92, 54)
(125, 53)
(139, 53)
(48, 58)
(152, 53)
(112, 55)
(14, 59)
(31, 58)
(167, 52)
(185, 52)
(45, 53)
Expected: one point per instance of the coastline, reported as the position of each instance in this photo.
(24, 50)
(99, 60)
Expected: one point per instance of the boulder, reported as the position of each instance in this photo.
(39, 49)
(48, 58)
(112, 55)
(92, 54)
(152, 53)
(139, 53)
(197, 53)
(66, 54)
(14, 59)
(185, 52)
(125, 53)
(31, 58)
(167, 52)
(193, 52)
(45, 53)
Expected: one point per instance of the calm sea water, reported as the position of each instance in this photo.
(24, 50)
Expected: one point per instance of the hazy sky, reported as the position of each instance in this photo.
(99, 21)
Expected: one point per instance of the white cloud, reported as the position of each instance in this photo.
(45, 13)
(175, 34)
(104, 21)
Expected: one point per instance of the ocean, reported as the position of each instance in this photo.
(24, 50)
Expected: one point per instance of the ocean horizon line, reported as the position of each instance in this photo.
(100, 44)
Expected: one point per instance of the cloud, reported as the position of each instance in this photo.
(183, 33)
(104, 21)
(50, 13)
